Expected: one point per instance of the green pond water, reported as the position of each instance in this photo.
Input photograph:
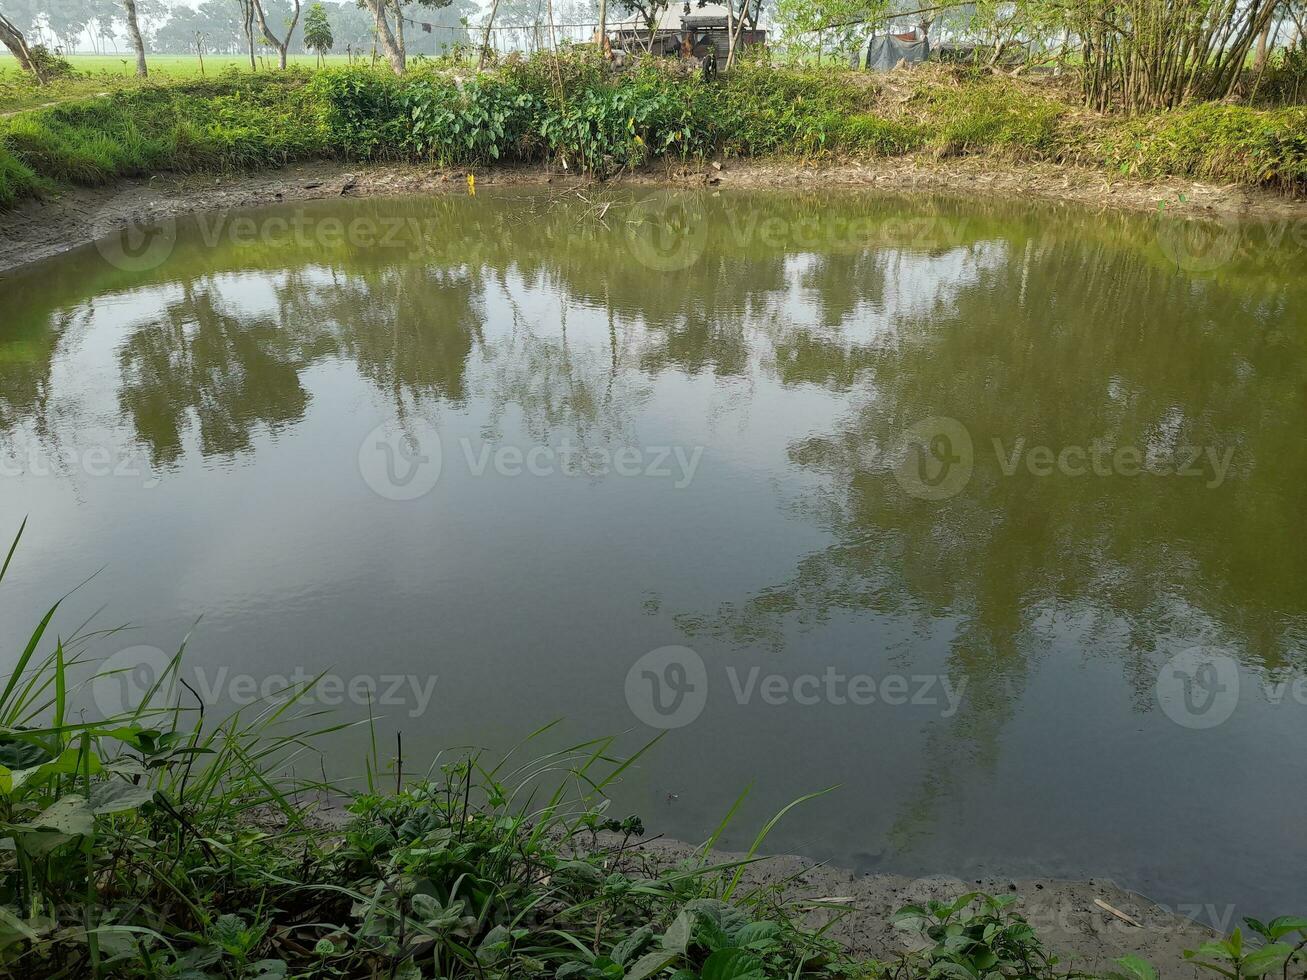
(992, 515)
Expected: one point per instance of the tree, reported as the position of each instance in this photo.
(385, 37)
(650, 11)
(247, 26)
(317, 31)
(68, 20)
(280, 45)
(14, 40)
(134, 32)
(216, 20)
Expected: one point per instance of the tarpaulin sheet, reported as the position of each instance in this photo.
(884, 52)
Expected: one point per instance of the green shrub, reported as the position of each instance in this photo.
(884, 137)
(483, 122)
(1214, 141)
(17, 179)
(361, 110)
(989, 116)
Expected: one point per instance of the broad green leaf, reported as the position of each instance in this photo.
(632, 944)
(116, 795)
(494, 946)
(22, 753)
(733, 964)
(66, 815)
(1262, 961)
(649, 964)
(758, 934)
(1137, 968)
(1286, 924)
(677, 937)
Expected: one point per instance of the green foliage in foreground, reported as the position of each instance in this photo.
(578, 115)
(153, 845)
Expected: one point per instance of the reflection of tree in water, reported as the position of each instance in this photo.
(27, 353)
(197, 360)
(409, 328)
(579, 391)
(1064, 344)
(1018, 327)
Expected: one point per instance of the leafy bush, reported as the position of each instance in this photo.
(49, 65)
(975, 935)
(1214, 141)
(484, 121)
(362, 110)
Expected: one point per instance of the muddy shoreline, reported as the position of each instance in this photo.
(39, 230)
(1065, 914)
(1088, 924)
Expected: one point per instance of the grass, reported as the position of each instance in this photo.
(576, 114)
(171, 66)
(96, 75)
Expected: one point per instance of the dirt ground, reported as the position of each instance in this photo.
(40, 229)
(1085, 936)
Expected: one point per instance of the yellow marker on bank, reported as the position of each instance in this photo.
(472, 185)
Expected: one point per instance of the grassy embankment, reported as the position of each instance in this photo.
(582, 116)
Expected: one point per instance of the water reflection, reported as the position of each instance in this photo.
(831, 324)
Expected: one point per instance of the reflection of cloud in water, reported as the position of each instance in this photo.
(523, 317)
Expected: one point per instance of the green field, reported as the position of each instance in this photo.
(172, 65)
(98, 74)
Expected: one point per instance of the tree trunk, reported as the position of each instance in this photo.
(730, 35)
(13, 39)
(384, 35)
(1263, 42)
(281, 46)
(134, 33)
(247, 15)
(485, 41)
(399, 32)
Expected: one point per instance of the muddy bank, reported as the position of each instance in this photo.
(1084, 934)
(40, 229)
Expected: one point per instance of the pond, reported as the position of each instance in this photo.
(990, 514)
